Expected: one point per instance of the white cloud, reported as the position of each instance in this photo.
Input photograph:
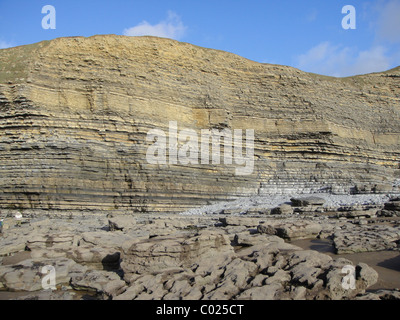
(373, 60)
(339, 61)
(5, 45)
(172, 28)
(388, 23)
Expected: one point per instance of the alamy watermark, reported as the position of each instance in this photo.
(49, 20)
(349, 20)
(49, 280)
(187, 147)
(349, 280)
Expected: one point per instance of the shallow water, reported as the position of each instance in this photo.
(386, 263)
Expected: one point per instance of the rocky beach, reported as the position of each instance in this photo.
(247, 251)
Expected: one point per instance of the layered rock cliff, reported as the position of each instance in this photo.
(75, 114)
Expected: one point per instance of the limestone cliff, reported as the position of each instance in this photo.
(75, 114)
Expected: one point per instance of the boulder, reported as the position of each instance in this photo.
(307, 201)
(299, 230)
(283, 209)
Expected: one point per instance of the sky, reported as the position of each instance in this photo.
(311, 35)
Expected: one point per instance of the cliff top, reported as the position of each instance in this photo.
(18, 62)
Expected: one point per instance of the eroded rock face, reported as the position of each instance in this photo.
(75, 113)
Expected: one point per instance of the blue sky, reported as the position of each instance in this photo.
(306, 34)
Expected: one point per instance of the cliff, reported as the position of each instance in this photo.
(75, 114)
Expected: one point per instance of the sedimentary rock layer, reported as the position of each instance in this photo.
(75, 114)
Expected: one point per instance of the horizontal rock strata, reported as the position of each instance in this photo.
(75, 113)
